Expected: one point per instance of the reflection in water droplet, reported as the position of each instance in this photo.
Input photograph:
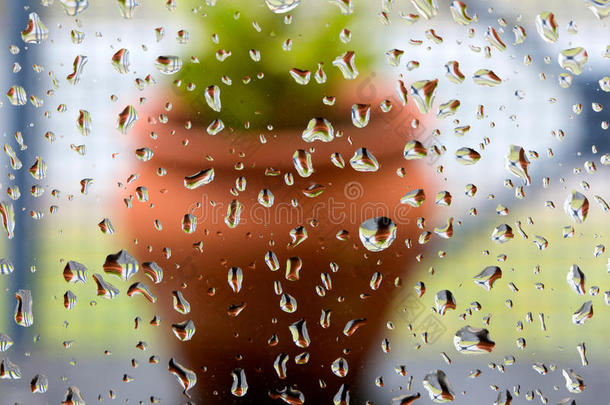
(302, 163)
(233, 215)
(199, 179)
(573, 60)
(299, 333)
(377, 234)
(36, 32)
(212, 97)
(427, 8)
(517, 163)
(184, 330)
(39, 384)
(364, 161)
(74, 7)
(574, 382)
(576, 279)
(282, 6)
(361, 113)
(300, 76)
(473, 340)
(488, 276)
(423, 93)
(576, 206)
(104, 288)
(169, 64)
(414, 150)
(459, 13)
(23, 310)
(121, 264)
(346, 65)
(187, 378)
(127, 119)
(79, 63)
(467, 156)
(342, 396)
(547, 26)
(339, 367)
(120, 61)
(486, 77)
(438, 387)
(8, 218)
(444, 301)
(318, 129)
(583, 313)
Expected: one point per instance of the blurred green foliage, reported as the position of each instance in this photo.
(276, 98)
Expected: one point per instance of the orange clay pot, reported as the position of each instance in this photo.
(223, 342)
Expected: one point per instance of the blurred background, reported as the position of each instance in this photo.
(99, 170)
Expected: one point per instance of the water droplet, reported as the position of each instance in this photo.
(318, 129)
(39, 384)
(187, 378)
(574, 382)
(576, 206)
(576, 279)
(488, 276)
(212, 97)
(77, 69)
(342, 396)
(300, 336)
(427, 8)
(23, 310)
(494, 39)
(414, 150)
(302, 163)
(364, 161)
(74, 7)
(339, 367)
(36, 32)
(184, 330)
(438, 387)
(120, 61)
(473, 340)
(547, 26)
(127, 119)
(121, 264)
(199, 179)
(104, 288)
(288, 303)
(583, 313)
(83, 122)
(346, 65)
(139, 288)
(377, 234)
(302, 77)
(573, 60)
(6, 266)
(235, 279)
(444, 301)
(517, 163)
(423, 93)
(233, 215)
(414, 198)
(353, 325)
(361, 113)
(467, 156)
(169, 64)
(486, 77)
(282, 6)
(459, 13)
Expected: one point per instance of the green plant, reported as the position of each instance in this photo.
(274, 99)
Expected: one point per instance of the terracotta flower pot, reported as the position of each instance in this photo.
(223, 342)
